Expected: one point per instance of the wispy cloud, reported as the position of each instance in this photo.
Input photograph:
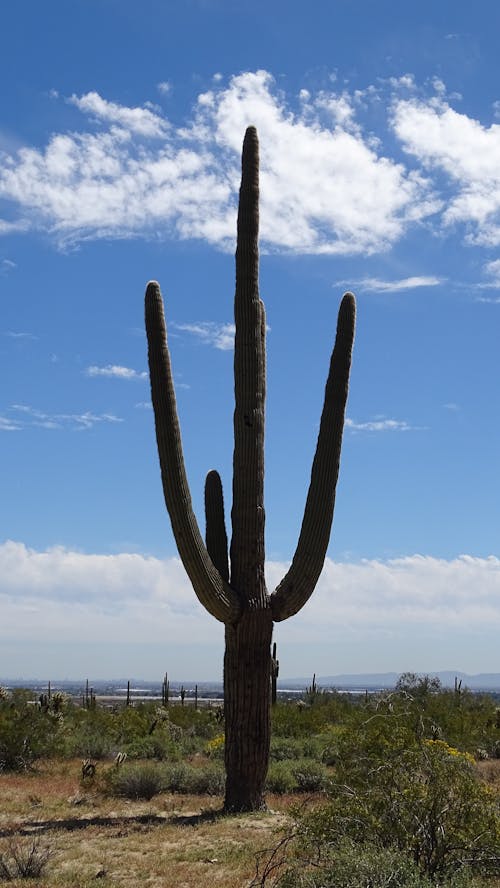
(13, 334)
(32, 417)
(115, 371)
(379, 425)
(164, 87)
(9, 425)
(6, 265)
(410, 283)
(220, 336)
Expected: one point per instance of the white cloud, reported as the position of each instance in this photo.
(32, 417)
(467, 153)
(9, 227)
(7, 265)
(134, 120)
(379, 425)
(9, 425)
(411, 283)
(115, 371)
(137, 600)
(416, 589)
(164, 87)
(220, 336)
(12, 334)
(325, 187)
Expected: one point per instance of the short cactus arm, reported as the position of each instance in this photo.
(215, 534)
(298, 584)
(212, 590)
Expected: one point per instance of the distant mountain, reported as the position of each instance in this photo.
(485, 681)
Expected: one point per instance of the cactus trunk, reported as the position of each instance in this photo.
(247, 663)
(233, 589)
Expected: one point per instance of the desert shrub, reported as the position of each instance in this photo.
(26, 732)
(175, 777)
(188, 780)
(350, 866)
(310, 776)
(215, 747)
(280, 777)
(23, 858)
(289, 748)
(421, 798)
(204, 723)
(138, 781)
(209, 780)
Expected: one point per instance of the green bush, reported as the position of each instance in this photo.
(138, 781)
(350, 866)
(310, 776)
(289, 748)
(27, 733)
(421, 798)
(281, 778)
(188, 780)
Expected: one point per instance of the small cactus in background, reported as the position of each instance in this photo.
(231, 585)
(275, 668)
(165, 691)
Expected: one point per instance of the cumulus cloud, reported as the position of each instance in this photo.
(134, 120)
(220, 336)
(326, 188)
(466, 152)
(141, 599)
(115, 371)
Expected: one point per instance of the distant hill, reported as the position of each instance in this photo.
(485, 681)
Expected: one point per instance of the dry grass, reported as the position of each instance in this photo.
(180, 841)
(173, 840)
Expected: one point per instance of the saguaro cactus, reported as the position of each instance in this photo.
(234, 590)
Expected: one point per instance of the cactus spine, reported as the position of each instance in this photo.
(233, 589)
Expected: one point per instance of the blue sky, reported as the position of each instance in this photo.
(120, 137)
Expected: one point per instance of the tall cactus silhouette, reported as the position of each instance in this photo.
(233, 589)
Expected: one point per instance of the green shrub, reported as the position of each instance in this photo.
(280, 777)
(138, 781)
(188, 780)
(351, 866)
(421, 798)
(310, 776)
(26, 732)
(290, 748)
(209, 780)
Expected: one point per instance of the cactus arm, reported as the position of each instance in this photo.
(247, 515)
(298, 584)
(215, 535)
(213, 592)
